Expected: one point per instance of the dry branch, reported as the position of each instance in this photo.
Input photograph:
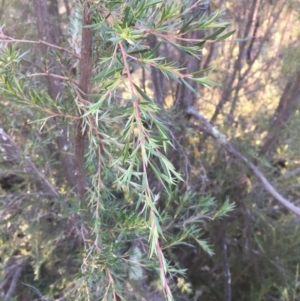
(12, 154)
(228, 146)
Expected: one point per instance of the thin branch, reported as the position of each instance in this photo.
(238, 62)
(228, 146)
(7, 39)
(24, 195)
(14, 280)
(55, 76)
(292, 173)
(12, 153)
(36, 291)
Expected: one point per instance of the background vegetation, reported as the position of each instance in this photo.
(149, 150)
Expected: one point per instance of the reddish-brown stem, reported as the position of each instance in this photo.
(84, 82)
(4, 38)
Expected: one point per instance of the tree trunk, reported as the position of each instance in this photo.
(51, 33)
(284, 112)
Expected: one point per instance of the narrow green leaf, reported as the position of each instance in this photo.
(216, 33)
(188, 86)
(226, 35)
(143, 94)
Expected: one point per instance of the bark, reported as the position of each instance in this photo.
(2, 9)
(55, 30)
(85, 76)
(211, 53)
(47, 33)
(184, 96)
(157, 77)
(284, 112)
(67, 6)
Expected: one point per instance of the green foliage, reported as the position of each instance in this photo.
(127, 143)
(162, 199)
